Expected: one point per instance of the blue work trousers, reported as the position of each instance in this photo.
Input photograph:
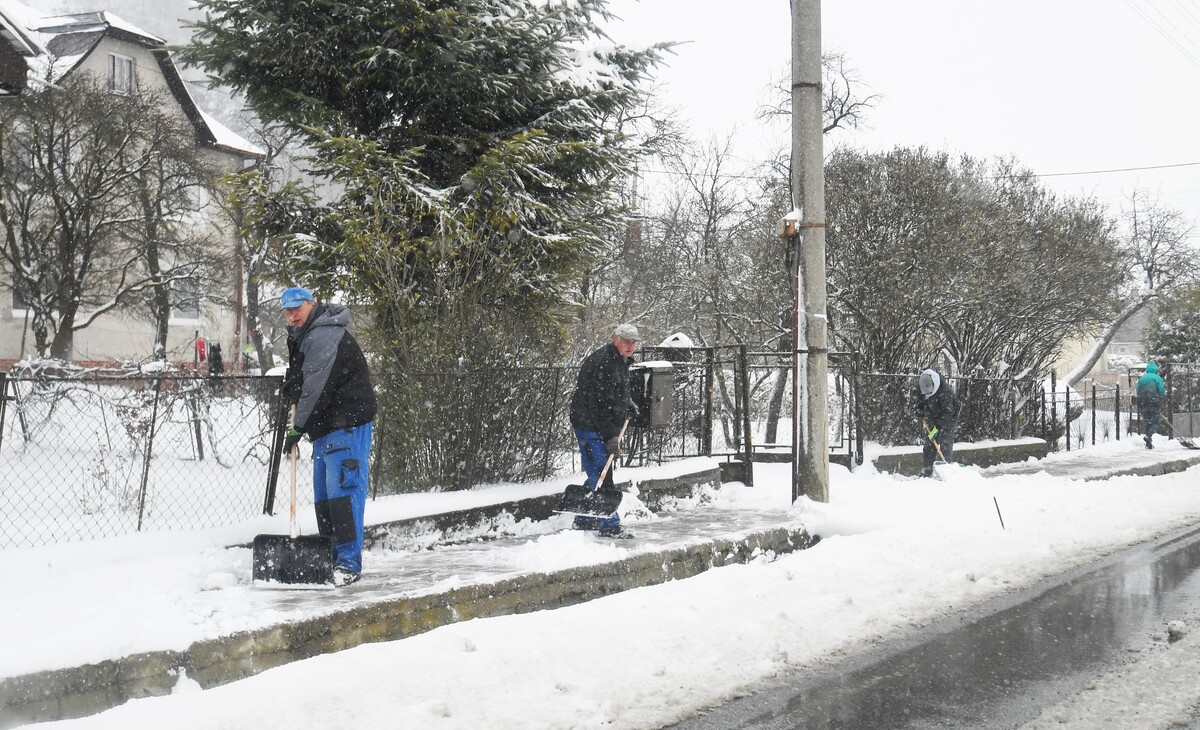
(593, 457)
(340, 490)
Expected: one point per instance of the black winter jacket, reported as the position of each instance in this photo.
(327, 377)
(601, 393)
(939, 409)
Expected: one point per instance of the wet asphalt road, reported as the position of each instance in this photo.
(998, 665)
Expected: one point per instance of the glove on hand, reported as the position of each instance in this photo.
(612, 447)
(290, 439)
(632, 408)
(933, 432)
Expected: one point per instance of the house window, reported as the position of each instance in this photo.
(185, 299)
(120, 74)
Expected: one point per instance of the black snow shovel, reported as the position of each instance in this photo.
(579, 499)
(293, 558)
(1185, 443)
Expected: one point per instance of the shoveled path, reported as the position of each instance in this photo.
(1166, 458)
(406, 593)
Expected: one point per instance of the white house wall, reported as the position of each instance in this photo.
(117, 337)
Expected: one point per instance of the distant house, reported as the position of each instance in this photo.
(1128, 346)
(51, 49)
(16, 46)
(1126, 349)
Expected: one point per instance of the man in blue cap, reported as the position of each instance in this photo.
(328, 381)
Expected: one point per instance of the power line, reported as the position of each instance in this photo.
(1119, 169)
(680, 173)
(1162, 31)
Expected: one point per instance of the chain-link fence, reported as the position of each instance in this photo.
(93, 456)
(455, 430)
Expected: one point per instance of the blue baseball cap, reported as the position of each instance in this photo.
(294, 297)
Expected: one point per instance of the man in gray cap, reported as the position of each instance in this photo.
(328, 381)
(599, 407)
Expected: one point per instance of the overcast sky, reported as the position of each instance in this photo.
(1064, 87)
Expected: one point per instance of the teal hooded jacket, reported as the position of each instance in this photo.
(1150, 387)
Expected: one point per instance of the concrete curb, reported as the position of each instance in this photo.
(908, 462)
(79, 691)
(1151, 470)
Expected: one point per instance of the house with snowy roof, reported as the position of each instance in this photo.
(38, 53)
(16, 45)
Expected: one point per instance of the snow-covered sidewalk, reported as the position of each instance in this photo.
(896, 553)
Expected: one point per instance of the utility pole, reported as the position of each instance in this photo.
(810, 361)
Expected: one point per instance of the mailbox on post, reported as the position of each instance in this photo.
(652, 387)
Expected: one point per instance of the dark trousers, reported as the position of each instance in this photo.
(1150, 415)
(945, 439)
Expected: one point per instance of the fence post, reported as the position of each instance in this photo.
(375, 466)
(1042, 412)
(1054, 411)
(193, 401)
(744, 385)
(1168, 410)
(278, 422)
(1117, 411)
(1012, 410)
(3, 404)
(148, 455)
(1093, 414)
(858, 432)
(558, 373)
(709, 386)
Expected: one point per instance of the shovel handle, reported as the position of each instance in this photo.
(937, 447)
(608, 464)
(294, 456)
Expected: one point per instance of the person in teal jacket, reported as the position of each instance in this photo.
(1150, 390)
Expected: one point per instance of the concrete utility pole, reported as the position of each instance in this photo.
(810, 364)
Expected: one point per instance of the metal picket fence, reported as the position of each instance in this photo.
(734, 402)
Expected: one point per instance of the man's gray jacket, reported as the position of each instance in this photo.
(327, 376)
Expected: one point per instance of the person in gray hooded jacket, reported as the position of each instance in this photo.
(937, 411)
(328, 381)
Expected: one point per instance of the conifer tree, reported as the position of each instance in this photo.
(476, 145)
(477, 149)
